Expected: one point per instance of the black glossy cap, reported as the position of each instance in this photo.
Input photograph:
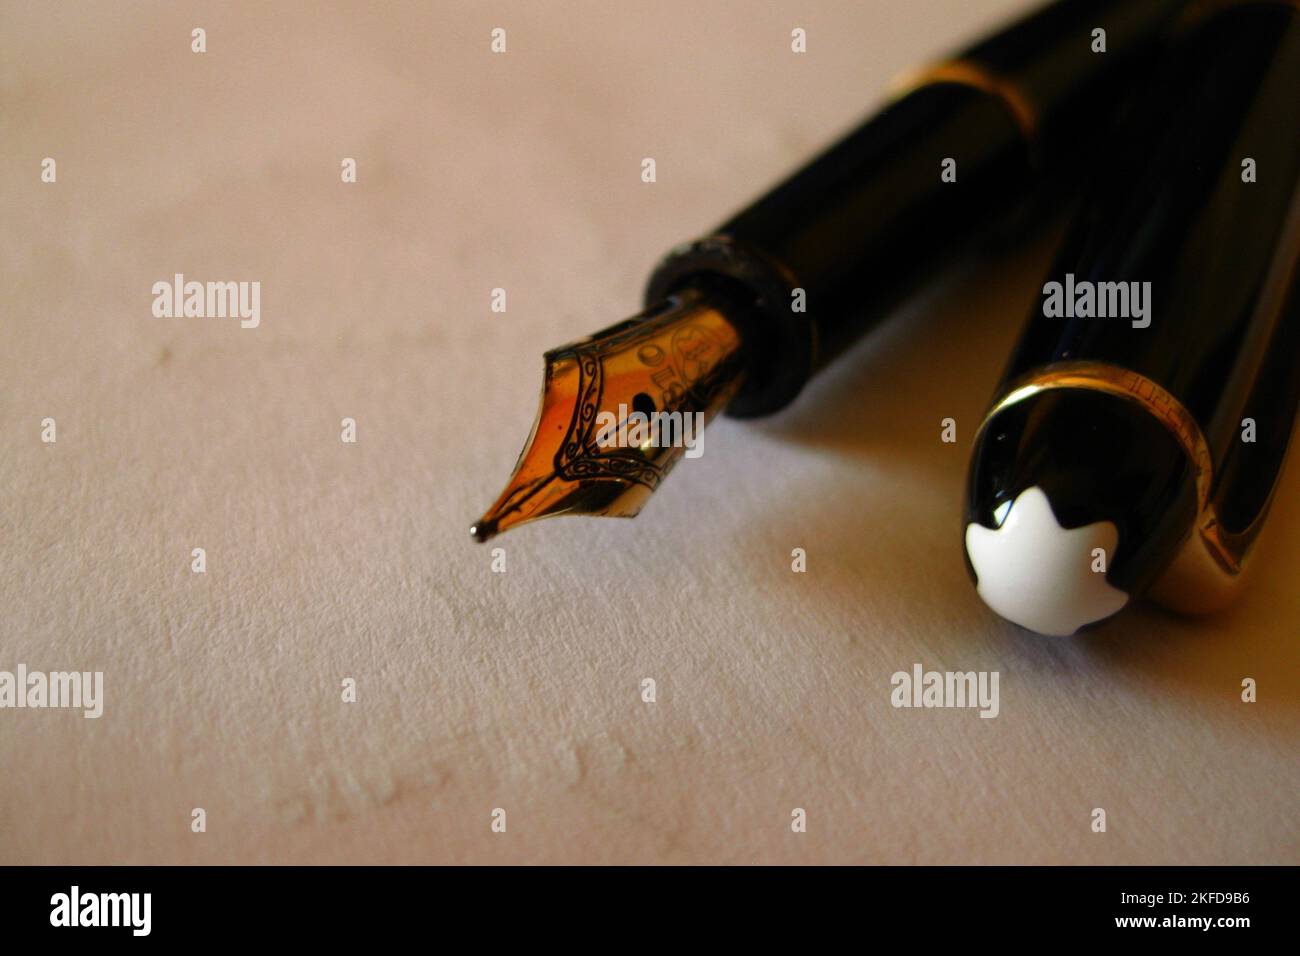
(1097, 457)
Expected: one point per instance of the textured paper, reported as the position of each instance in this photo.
(522, 690)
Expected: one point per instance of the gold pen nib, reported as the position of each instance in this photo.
(618, 410)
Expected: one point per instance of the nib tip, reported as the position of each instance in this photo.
(483, 530)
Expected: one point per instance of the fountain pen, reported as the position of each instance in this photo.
(740, 319)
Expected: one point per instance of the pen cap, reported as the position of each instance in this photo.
(1175, 295)
(830, 250)
(1051, 443)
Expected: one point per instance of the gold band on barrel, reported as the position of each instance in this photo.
(972, 74)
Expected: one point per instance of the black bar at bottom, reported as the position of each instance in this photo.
(978, 905)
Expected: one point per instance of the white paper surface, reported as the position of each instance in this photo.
(522, 690)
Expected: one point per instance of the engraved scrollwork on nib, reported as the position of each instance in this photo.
(618, 410)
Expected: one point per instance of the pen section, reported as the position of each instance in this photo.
(830, 250)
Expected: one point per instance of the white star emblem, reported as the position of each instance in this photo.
(1039, 575)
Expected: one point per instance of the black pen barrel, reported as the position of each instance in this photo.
(826, 253)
